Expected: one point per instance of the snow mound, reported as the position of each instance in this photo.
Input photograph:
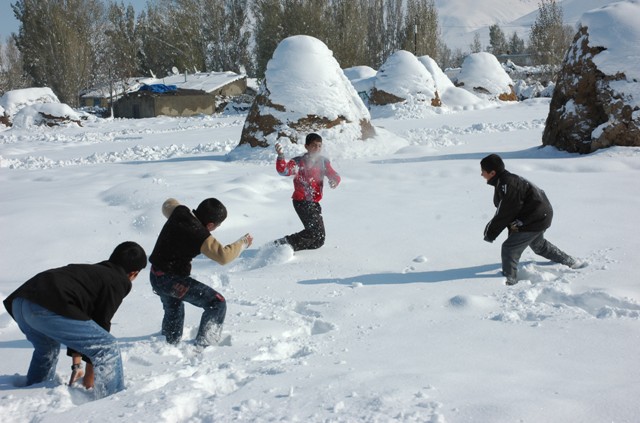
(482, 74)
(361, 77)
(39, 114)
(13, 101)
(305, 90)
(441, 80)
(622, 46)
(304, 76)
(404, 76)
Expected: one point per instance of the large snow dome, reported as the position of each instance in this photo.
(482, 74)
(305, 90)
(403, 76)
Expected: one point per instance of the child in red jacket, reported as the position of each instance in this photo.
(309, 170)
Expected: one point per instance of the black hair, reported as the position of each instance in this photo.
(311, 138)
(492, 162)
(130, 256)
(211, 210)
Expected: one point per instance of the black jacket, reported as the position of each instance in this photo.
(179, 242)
(78, 291)
(517, 199)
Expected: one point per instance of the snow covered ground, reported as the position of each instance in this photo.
(401, 316)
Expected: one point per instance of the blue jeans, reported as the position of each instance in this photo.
(46, 330)
(517, 242)
(173, 291)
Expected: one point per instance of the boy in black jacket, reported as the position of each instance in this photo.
(73, 305)
(186, 234)
(524, 209)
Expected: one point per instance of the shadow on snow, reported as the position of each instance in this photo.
(474, 272)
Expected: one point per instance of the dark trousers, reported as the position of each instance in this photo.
(173, 291)
(517, 242)
(312, 236)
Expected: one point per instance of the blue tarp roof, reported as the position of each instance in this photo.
(159, 88)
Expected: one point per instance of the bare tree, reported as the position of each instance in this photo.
(55, 39)
(394, 29)
(476, 45)
(375, 35)
(122, 46)
(237, 36)
(421, 28)
(346, 24)
(268, 31)
(549, 38)
(12, 76)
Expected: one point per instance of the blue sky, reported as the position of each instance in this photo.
(8, 22)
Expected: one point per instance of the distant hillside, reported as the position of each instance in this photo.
(461, 19)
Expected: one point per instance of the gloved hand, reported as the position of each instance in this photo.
(333, 183)
(279, 149)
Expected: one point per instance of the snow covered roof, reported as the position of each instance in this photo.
(207, 82)
(203, 81)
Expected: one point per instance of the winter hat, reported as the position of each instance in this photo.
(492, 162)
(211, 210)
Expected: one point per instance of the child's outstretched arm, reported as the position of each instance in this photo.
(332, 175)
(283, 167)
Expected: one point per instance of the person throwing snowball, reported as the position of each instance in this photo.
(309, 171)
(525, 210)
(186, 234)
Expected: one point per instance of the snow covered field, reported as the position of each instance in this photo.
(401, 316)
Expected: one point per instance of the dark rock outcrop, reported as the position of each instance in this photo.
(587, 112)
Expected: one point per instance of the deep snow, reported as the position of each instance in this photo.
(401, 316)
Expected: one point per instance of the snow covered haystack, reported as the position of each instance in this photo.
(361, 77)
(596, 102)
(450, 95)
(46, 114)
(482, 75)
(35, 106)
(305, 90)
(403, 76)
